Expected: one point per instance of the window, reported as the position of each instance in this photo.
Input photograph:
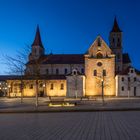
(99, 64)
(62, 86)
(51, 87)
(128, 79)
(113, 40)
(99, 41)
(118, 40)
(118, 68)
(47, 71)
(82, 70)
(41, 85)
(57, 71)
(122, 88)
(118, 56)
(122, 78)
(131, 71)
(135, 79)
(31, 86)
(99, 55)
(95, 72)
(66, 71)
(104, 72)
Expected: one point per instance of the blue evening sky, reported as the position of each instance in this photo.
(67, 26)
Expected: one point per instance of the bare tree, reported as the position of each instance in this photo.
(17, 65)
(33, 70)
(102, 82)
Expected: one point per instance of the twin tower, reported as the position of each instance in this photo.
(115, 40)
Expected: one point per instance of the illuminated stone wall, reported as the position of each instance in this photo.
(105, 61)
(44, 87)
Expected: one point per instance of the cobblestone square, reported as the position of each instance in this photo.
(71, 126)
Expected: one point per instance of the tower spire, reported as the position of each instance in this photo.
(115, 26)
(37, 40)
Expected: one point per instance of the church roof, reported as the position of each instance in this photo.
(126, 58)
(60, 59)
(115, 26)
(18, 77)
(37, 40)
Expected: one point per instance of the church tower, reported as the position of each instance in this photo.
(115, 40)
(37, 47)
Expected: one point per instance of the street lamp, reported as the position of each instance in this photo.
(102, 83)
(44, 85)
(9, 86)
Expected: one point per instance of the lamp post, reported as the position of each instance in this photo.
(76, 85)
(102, 84)
(44, 85)
(9, 86)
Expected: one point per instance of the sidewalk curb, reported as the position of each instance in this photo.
(68, 110)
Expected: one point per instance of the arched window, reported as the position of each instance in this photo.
(66, 71)
(99, 41)
(95, 73)
(99, 55)
(51, 87)
(113, 40)
(62, 86)
(82, 70)
(104, 72)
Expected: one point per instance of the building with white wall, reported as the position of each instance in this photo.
(99, 71)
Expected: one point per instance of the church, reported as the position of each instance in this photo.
(103, 70)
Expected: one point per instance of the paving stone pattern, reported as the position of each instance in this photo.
(71, 126)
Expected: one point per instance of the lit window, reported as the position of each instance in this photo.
(122, 88)
(62, 86)
(51, 87)
(95, 72)
(104, 72)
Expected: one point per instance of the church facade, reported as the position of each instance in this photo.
(97, 72)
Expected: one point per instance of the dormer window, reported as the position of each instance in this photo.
(74, 72)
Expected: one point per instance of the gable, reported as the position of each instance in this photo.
(99, 48)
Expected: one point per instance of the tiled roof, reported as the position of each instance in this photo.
(126, 58)
(60, 59)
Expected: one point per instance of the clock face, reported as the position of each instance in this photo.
(99, 64)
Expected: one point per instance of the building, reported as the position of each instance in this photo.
(98, 71)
